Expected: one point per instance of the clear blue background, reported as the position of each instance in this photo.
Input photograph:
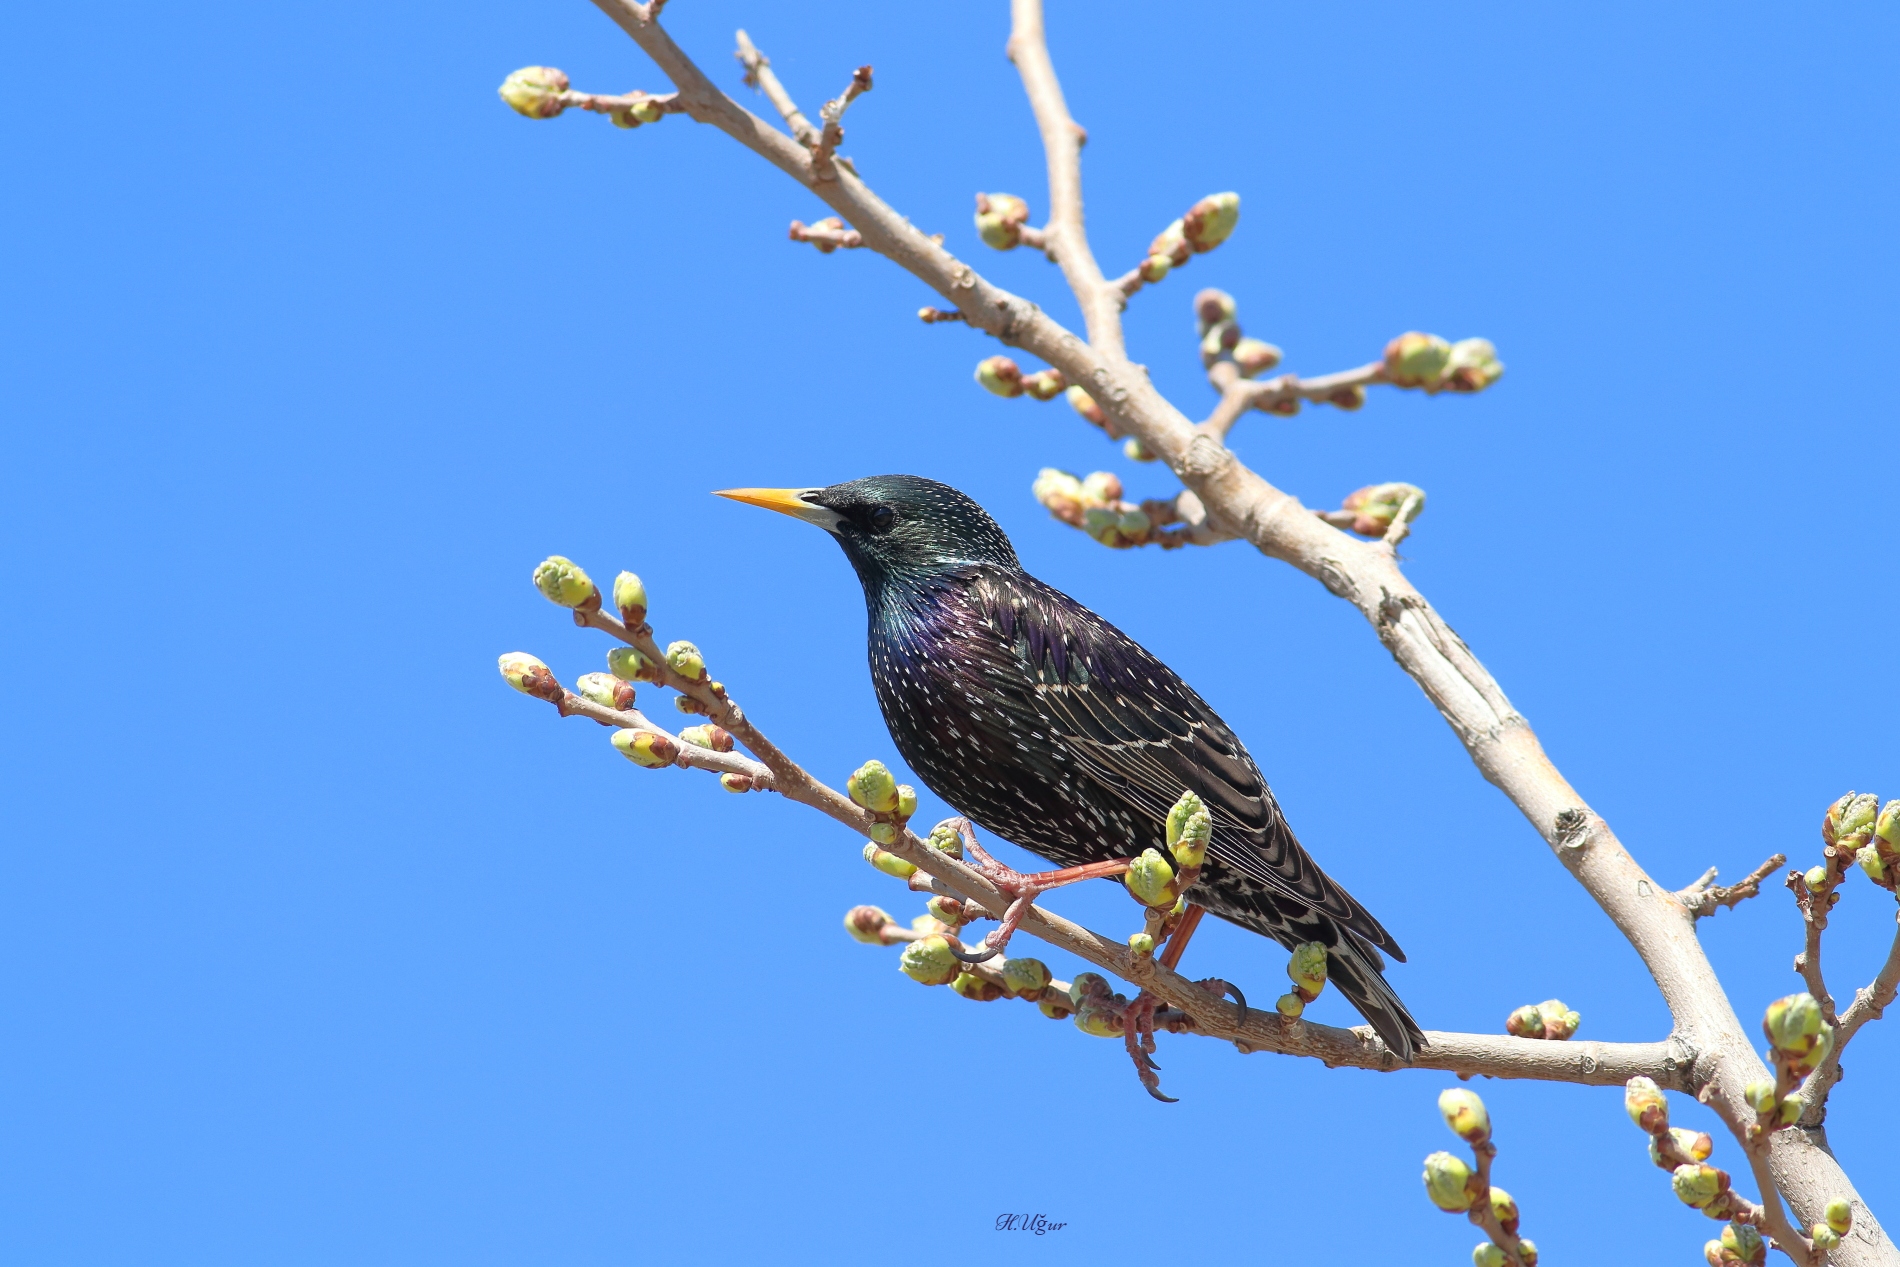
(322, 946)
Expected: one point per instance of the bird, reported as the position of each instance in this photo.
(1044, 724)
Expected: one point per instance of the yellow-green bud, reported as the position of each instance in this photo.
(525, 673)
(707, 736)
(1184, 809)
(534, 92)
(1102, 486)
(1504, 1208)
(1416, 360)
(1095, 1019)
(945, 838)
(1791, 1107)
(598, 687)
(946, 910)
(645, 748)
(1190, 845)
(1472, 366)
(872, 786)
(868, 924)
(1488, 1255)
(1255, 357)
(1760, 1096)
(1527, 1250)
(1850, 821)
(1209, 221)
(1290, 1006)
(1151, 879)
(630, 665)
(1055, 1007)
(1793, 1023)
(1375, 506)
(1172, 244)
(630, 596)
(1045, 384)
(1712, 1252)
(1695, 1145)
(1211, 307)
(1559, 1021)
(1087, 985)
(1869, 859)
(1525, 1022)
(1154, 267)
(1696, 1184)
(883, 833)
(906, 800)
(1643, 1101)
(1026, 978)
(1445, 1180)
(888, 863)
(973, 987)
(1815, 879)
(1135, 451)
(1887, 826)
(1141, 945)
(1218, 341)
(1084, 404)
(1825, 1237)
(684, 659)
(735, 782)
(1465, 1114)
(1000, 375)
(1745, 1243)
(930, 960)
(1839, 1214)
(999, 220)
(562, 581)
(647, 111)
(1306, 967)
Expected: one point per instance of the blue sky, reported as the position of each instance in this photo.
(323, 946)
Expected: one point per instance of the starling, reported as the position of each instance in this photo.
(1046, 725)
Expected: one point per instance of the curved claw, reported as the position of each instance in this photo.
(1228, 987)
(984, 957)
(1165, 1099)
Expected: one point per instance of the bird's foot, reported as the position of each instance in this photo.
(1138, 1035)
(1221, 989)
(1022, 888)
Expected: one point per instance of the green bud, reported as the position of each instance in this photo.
(930, 960)
(602, 688)
(1887, 826)
(1154, 268)
(1559, 1021)
(561, 581)
(1504, 1208)
(1045, 384)
(1306, 966)
(973, 987)
(1527, 1250)
(1290, 1006)
(1255, 357)
(868, 924)
(1135, 451)
(883, 833)
(1054, 1007)
(1000, 375)
(906, 800)
(1189, 846)
(1087, 985)
(1171, 243)
(1211, 307)
(1816, 879)
(1472, 366)
(1465, 1114)
(946, 910)
(1791, 1107)
(1712, 1251)
(1102, 486)
(1375, 506)
(1825, 1237)
(1098, 1020)
(707, 736)
(1850, 821)
(1744, 1242)
(684, 659)
(1697, 1185)
(648, 111)
(1026, 978)
(888, 863)
(1185, 808)
(1445, 1180)
(1150, 879)
(1488, 1255)
(1218, 341)
(629, 665)
(1209, 221)
(1869, 859)
(1084, 404)
(1526, 1022)
(945, 838)
(1695, 1145)
(872, 786)
(1760, 1096)
(1416, 360)
(534, 92)
(999, 220)
(1839, 1214)
(1793, 1023)
(1643, 1101)
(1141, 945)
(647, 749)
(527, 674)
(630, 596)
(735, 782)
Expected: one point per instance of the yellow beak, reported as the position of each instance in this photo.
(786, 501)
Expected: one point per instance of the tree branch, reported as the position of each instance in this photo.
(1705, 897)
(758, 73)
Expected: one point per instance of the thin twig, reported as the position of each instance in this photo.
(758, 74)
(1870, 1003)
(1705, 897)
(1240, 395)
(833, 115)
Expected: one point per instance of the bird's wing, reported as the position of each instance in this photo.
(1145, 735)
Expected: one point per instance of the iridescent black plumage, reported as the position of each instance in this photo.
(1043, 723)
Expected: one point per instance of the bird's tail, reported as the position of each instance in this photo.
(1352, 966)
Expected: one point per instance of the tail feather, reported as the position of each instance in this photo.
(1354, 972)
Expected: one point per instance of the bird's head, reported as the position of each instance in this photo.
(893, 526)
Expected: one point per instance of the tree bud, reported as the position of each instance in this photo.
(1095, 1018)
(1559, 1021)
(1000, 375)
(630, 596)
(1527, 1250)
(1850, 821)
(947, 911)
(602, 688)
(1347, 398)
(735, 782)
(1816, 879)
(1219, 340)
(1154, 267)
(1465, 1114)
(869, 924)
(1839, 1214)
(945, 838)
(1290, 1006)
(1211, 307)
(1825, 1237)
(1870, 861)
(684, 659)
(1696, 1184)
(906, 800)
(1189, 845)
(1255, 357)
(882, 833)
(1745, 1243)
(1488, 1255)
(1171, 243)
(1135, 451)
(1141, 945)
(1060, 494)
(1209, 221)
(1306, 966)
(1375, 506)
(1793, 1023)
(1416, 360)
(930, 960)
(1472, 366)
(531, 677)
(1182, 810)
(562, 581)
(1102, 486)
(1045, 384)
(1504, 1208)
(1026, 978)
(1643, 1101)
(1887, 826)
(1445, 1180)
(1760, 1096)
(1526, 1022)
(647, 749)
(973, 987)
(630, 665)
(888, 863)
(872, 786)
(1695, 1145)
(1084, 404)
(1000, 218)
(707, 736)
(534, 92)
(1087, 985)
(1151, 879)
(1054, 1007)
(1791, 1108)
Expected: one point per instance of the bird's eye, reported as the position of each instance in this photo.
(882, 518)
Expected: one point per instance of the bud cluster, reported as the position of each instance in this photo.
(1458, 1188)
(1217, 322)
(1549, 1020)
(1000, 220)
(1095, 506)
(827, 235)
(1837, 1220)
(1001, 376)
(1684, 1154)
(1206, 225)
(1375, 507)
(1306, 967)
(1159, 880)
(873, 787)
(1740, 1246)
(1429, 362)
(1098, 1010)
